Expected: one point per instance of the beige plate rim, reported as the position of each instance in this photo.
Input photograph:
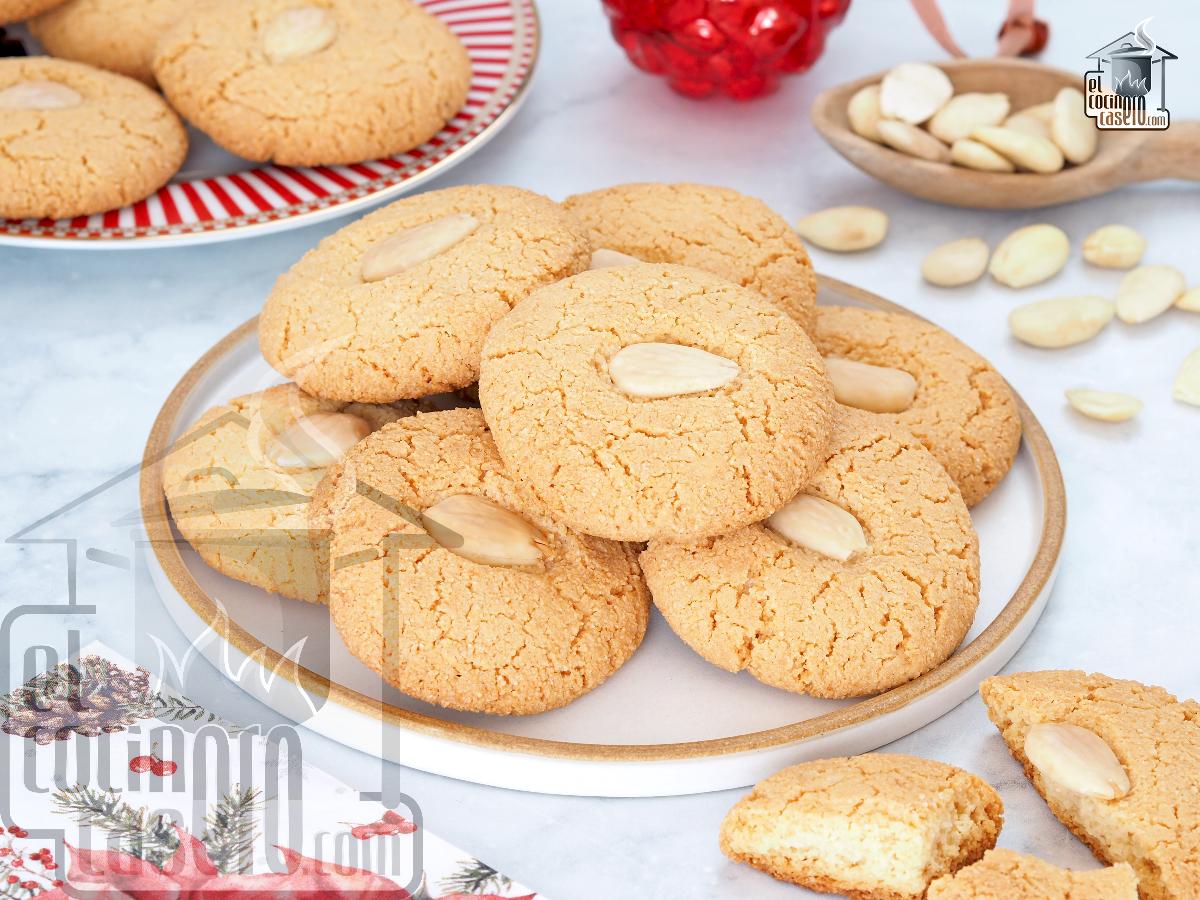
(157, 523)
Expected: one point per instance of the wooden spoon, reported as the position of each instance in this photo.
(1122, 157)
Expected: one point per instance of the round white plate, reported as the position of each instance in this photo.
(219, 197)
(666, 723)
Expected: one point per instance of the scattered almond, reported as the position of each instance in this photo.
(1060, 322)
(818, 525)
(966, 112)
(912, 140)
(1028, 124)
(863, 112)
(1037, 154)
(316, 440)
(605, 258)
(1114, 247)
(655, 370)
(416, 245)
(878, 389)
(1189, 300)
(1148, 291)
(912, 92)
(956, 263)
(484, 532)
(1030, 255)
(1187, 381)
(1107, 406)
(1076, 760)
(1044, 112)
(1071, 129)
(39, 94)
(844, 228)
(298, 32)
(975, 155)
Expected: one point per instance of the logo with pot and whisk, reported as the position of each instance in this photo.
(1127, 88)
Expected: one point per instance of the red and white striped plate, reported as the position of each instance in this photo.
(217, 196)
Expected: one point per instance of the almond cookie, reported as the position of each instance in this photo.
(877, 827)
(959, 407)
(313, 83)
(1117, 761)
(462, 591)
(655, 401)
(16, 10)
(1005, 875)
(240, 480)
(711, 228)
(866, 580)
(397, 304)
(118, 35)
(76, 140)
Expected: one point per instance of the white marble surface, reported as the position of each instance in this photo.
(94, 341)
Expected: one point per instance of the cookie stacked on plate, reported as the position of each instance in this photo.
(663, 413)
(311, 83)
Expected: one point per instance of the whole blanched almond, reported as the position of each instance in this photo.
(1062, 321)
(1148, 291)
(966, 112)
(1114, 247)
(1028, 124)
(1107, 406)
(912, 140)
(878, 389)
(1037, 154)
(844, 228)
(1030, 255)
(1042, 111)
(1187, 381)
(298, 32)
(974, 155)
(1076, 760)
(818, 525)
(1071, 129)
(956, 263)
(37, 93)
(1189, 300)
(484, 532)
(912, 92)
(416, 245)
(654, 370)
(605, 258)
(864, 114)
(317, 440)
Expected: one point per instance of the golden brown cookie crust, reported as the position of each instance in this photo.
(122, 143)
(964, 411)
(676, 467)
(256, 535)
(390, 80)
(421, 331)
(877, 827)
(1156, 826)
(805, 622)
(1005, 875)
(454, 632)
(16, 10)
(715, 229)
(118, 35)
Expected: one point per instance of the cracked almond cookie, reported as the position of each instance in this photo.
(880, 826)
(240, 480)
(1005, 875)
(1118, 762)
(459, 589)
(118, 35)
(318, 83)
(397, 304)
(655, 401)
(716, 229)
(75, 140)
(864, 581)
(929, 383)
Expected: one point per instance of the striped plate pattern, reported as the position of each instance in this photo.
(501, 37)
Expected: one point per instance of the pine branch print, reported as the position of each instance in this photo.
(232, 830)
(474, 876)
(147, 837)
(180, 709)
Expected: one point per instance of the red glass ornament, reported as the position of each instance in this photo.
(736, 47)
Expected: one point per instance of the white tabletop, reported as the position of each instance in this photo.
(94, 341)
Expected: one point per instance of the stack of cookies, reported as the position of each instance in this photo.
(512, 424)
(313, 83)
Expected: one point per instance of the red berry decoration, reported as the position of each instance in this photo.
(362, 832)
(164, 767)
(735, 47)
(141, 763)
